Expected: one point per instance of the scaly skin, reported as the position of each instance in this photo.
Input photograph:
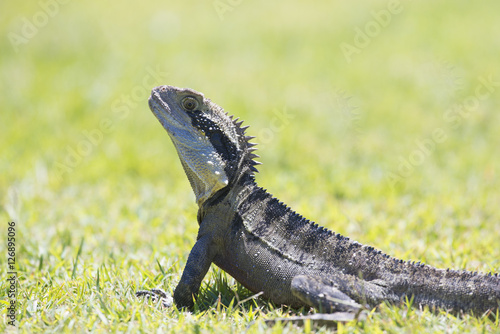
(269, 248)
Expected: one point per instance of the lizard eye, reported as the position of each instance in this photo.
(189, 103)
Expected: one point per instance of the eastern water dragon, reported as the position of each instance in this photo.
(271, 249)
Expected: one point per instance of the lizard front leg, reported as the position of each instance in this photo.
(199, 261)
(197, 266)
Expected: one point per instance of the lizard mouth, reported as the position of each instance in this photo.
(160, 108)
(166, 114)
(164, 104)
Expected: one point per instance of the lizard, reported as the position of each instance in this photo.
(271, 249)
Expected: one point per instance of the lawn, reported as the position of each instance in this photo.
(376, 119)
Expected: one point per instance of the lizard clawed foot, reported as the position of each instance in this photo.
(323, 295)
(156, 295)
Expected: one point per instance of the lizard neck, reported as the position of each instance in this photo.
(233, 194)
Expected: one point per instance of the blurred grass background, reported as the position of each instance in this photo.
(341, 137)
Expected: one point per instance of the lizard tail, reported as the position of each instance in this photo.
(453, 290)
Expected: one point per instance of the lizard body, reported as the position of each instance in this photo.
(269, 248)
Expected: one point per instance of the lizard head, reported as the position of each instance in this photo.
(212, 147)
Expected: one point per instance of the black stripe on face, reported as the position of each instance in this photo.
(225, 147)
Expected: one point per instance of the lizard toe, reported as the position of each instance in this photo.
(156, 295)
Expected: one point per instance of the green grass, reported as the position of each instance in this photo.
(118, 215)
